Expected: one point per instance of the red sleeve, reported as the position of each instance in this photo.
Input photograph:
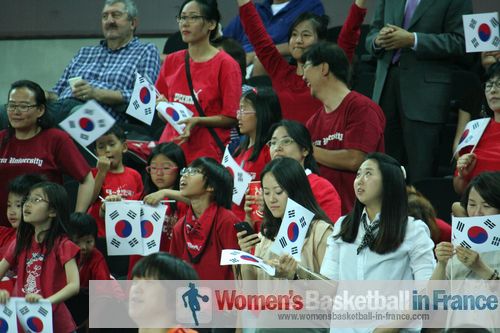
(9, 254)
(65, 250)
(69, 159)
(175, 246)
(327, 196)
(230, 86)
(263, 44)
(226, 230)
(7, 235)
(351, 30)
(445, 229)
(139, 185)
(160, 81)
(99, 269)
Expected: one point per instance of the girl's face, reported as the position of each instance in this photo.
(14, 209)
(194, 27)
(36, 208)
(476, 206)
(247, 118)
(275, 196)
(368, 184)
(303, 36)
(163, 171)
(192, 182)
(22, 111)
(146, 305)
(282, 145)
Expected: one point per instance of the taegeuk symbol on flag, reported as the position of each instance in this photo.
(237, 257)
(482, 32)
(34, 317)
(479, 233)
(472, 133)
(241, 178)
(174, 112)
(143, 100)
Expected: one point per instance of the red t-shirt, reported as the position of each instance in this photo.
(223, 236)
(253, 168)
(51, 152)
(445, 229)
(294, 95)
(127, 184)
(7, 235)
(43, 273)
(487, 151)
(326, 195)
(217, 85)
(95, 268)
(358, 123)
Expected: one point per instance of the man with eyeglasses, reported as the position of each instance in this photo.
(106, 72)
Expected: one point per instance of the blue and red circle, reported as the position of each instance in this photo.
(4, 326)
(147, 228)
(484, 32)
(173, 113)
(35, 324)
(477, 235)
(144, 95)
(123, 228)
(86, 124)
(293, 231)
(248, 258)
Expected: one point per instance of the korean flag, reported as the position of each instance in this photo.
(292, 233)
(472, 133)
(174, 112)
(237, 257)
(8, 317)
(241, 177)
(88, 123)
(34, 317)
(481, 32)
(480, 233)
(151, 227)
(143, 100)
(123, 232)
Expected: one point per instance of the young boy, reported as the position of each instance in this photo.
(112, 178)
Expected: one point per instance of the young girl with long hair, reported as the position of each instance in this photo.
(43, 254)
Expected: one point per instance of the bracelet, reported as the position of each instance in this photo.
(494, 276)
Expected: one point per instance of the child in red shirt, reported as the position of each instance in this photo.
(112, 178)
(43, 255)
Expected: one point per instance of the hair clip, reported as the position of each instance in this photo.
(403, 170)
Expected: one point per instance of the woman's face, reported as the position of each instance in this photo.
(368, 184)
(275, 197)
(22, 111)
(477, 206)
(192, 183)
(194, 27)
(282, 145)
(303, 36)
(163, 171)
(247, 118)
(492, 91)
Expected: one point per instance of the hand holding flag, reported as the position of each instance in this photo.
(241, 177)
(173, 113)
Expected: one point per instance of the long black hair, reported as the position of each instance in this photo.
(209, 11)
(293, 180)
(394, 211)
(217, 177)
(487, 184)
(268, 111)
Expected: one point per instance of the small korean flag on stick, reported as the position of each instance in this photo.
(481, 32)
(472, 133)
(173, 113)
(8, 317)
(123, 232)
(34, 317)
(88, 123)
(292, 233)
(151, 227)
(237, 257)
(480, 233)
(241, 177)
(143, 100)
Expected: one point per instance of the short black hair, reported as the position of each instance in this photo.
(487, 184)
(333, 55)
(217, 177)
(319, 23)
(118, 132)
(82, 224)
(163, 266)
(21, 185)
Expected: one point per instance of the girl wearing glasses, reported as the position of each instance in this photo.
(259, 110)
(208, 226)
(216, 81)
(487, 152)
(43, 254)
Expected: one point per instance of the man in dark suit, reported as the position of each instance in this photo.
(417, 43)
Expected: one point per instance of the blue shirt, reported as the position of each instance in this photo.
(277, 26)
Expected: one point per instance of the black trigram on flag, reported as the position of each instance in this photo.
(84, 136)
(494, 22)
(495, 241)
(240, 177)
(114, 214)
(496, 41)
(133, 242)
(24, 310)
(234, 260)
(90, 112)
(131, 214)
(147, 111)
(465, 244)
(295, 250)
(156, 216)
(6, 311)
(291, 213)
(235, 190)
(472, 24)
(302, 222)
(460, 226)
(43, 311)
(116, 243)
(226, 159)
(72, 124)
(151, 244)
(141, 79)
(489, 224)
(283, 242)
(101, 123)
(475, 125)
(474, 42)
(136, 105)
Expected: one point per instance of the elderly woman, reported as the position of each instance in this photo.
(30, 145)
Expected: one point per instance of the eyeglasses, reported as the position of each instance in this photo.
(165, 169)
(286, 141)
(116, 15)
(189, 19)
(490, 84)
(19, 107)
(190, 171)
(34, 200)
(241, 112)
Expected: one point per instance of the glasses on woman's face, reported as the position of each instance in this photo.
(34, 200)
(189, 19)
(12, 107)
(286, 141)
(490, 84)
(241, 112)
(190, 171)
(161, 169)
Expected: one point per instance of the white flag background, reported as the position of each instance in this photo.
(123, 227)
(237, 257)
(174, 112)
(34, 317)
(472, 133)
(480, 233)
(481, 32)
(293, 229)
(8, 316)
(241, 178)
(152, 218)
(143, 100)
(88, 123)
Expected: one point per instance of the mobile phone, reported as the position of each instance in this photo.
(240, 226)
